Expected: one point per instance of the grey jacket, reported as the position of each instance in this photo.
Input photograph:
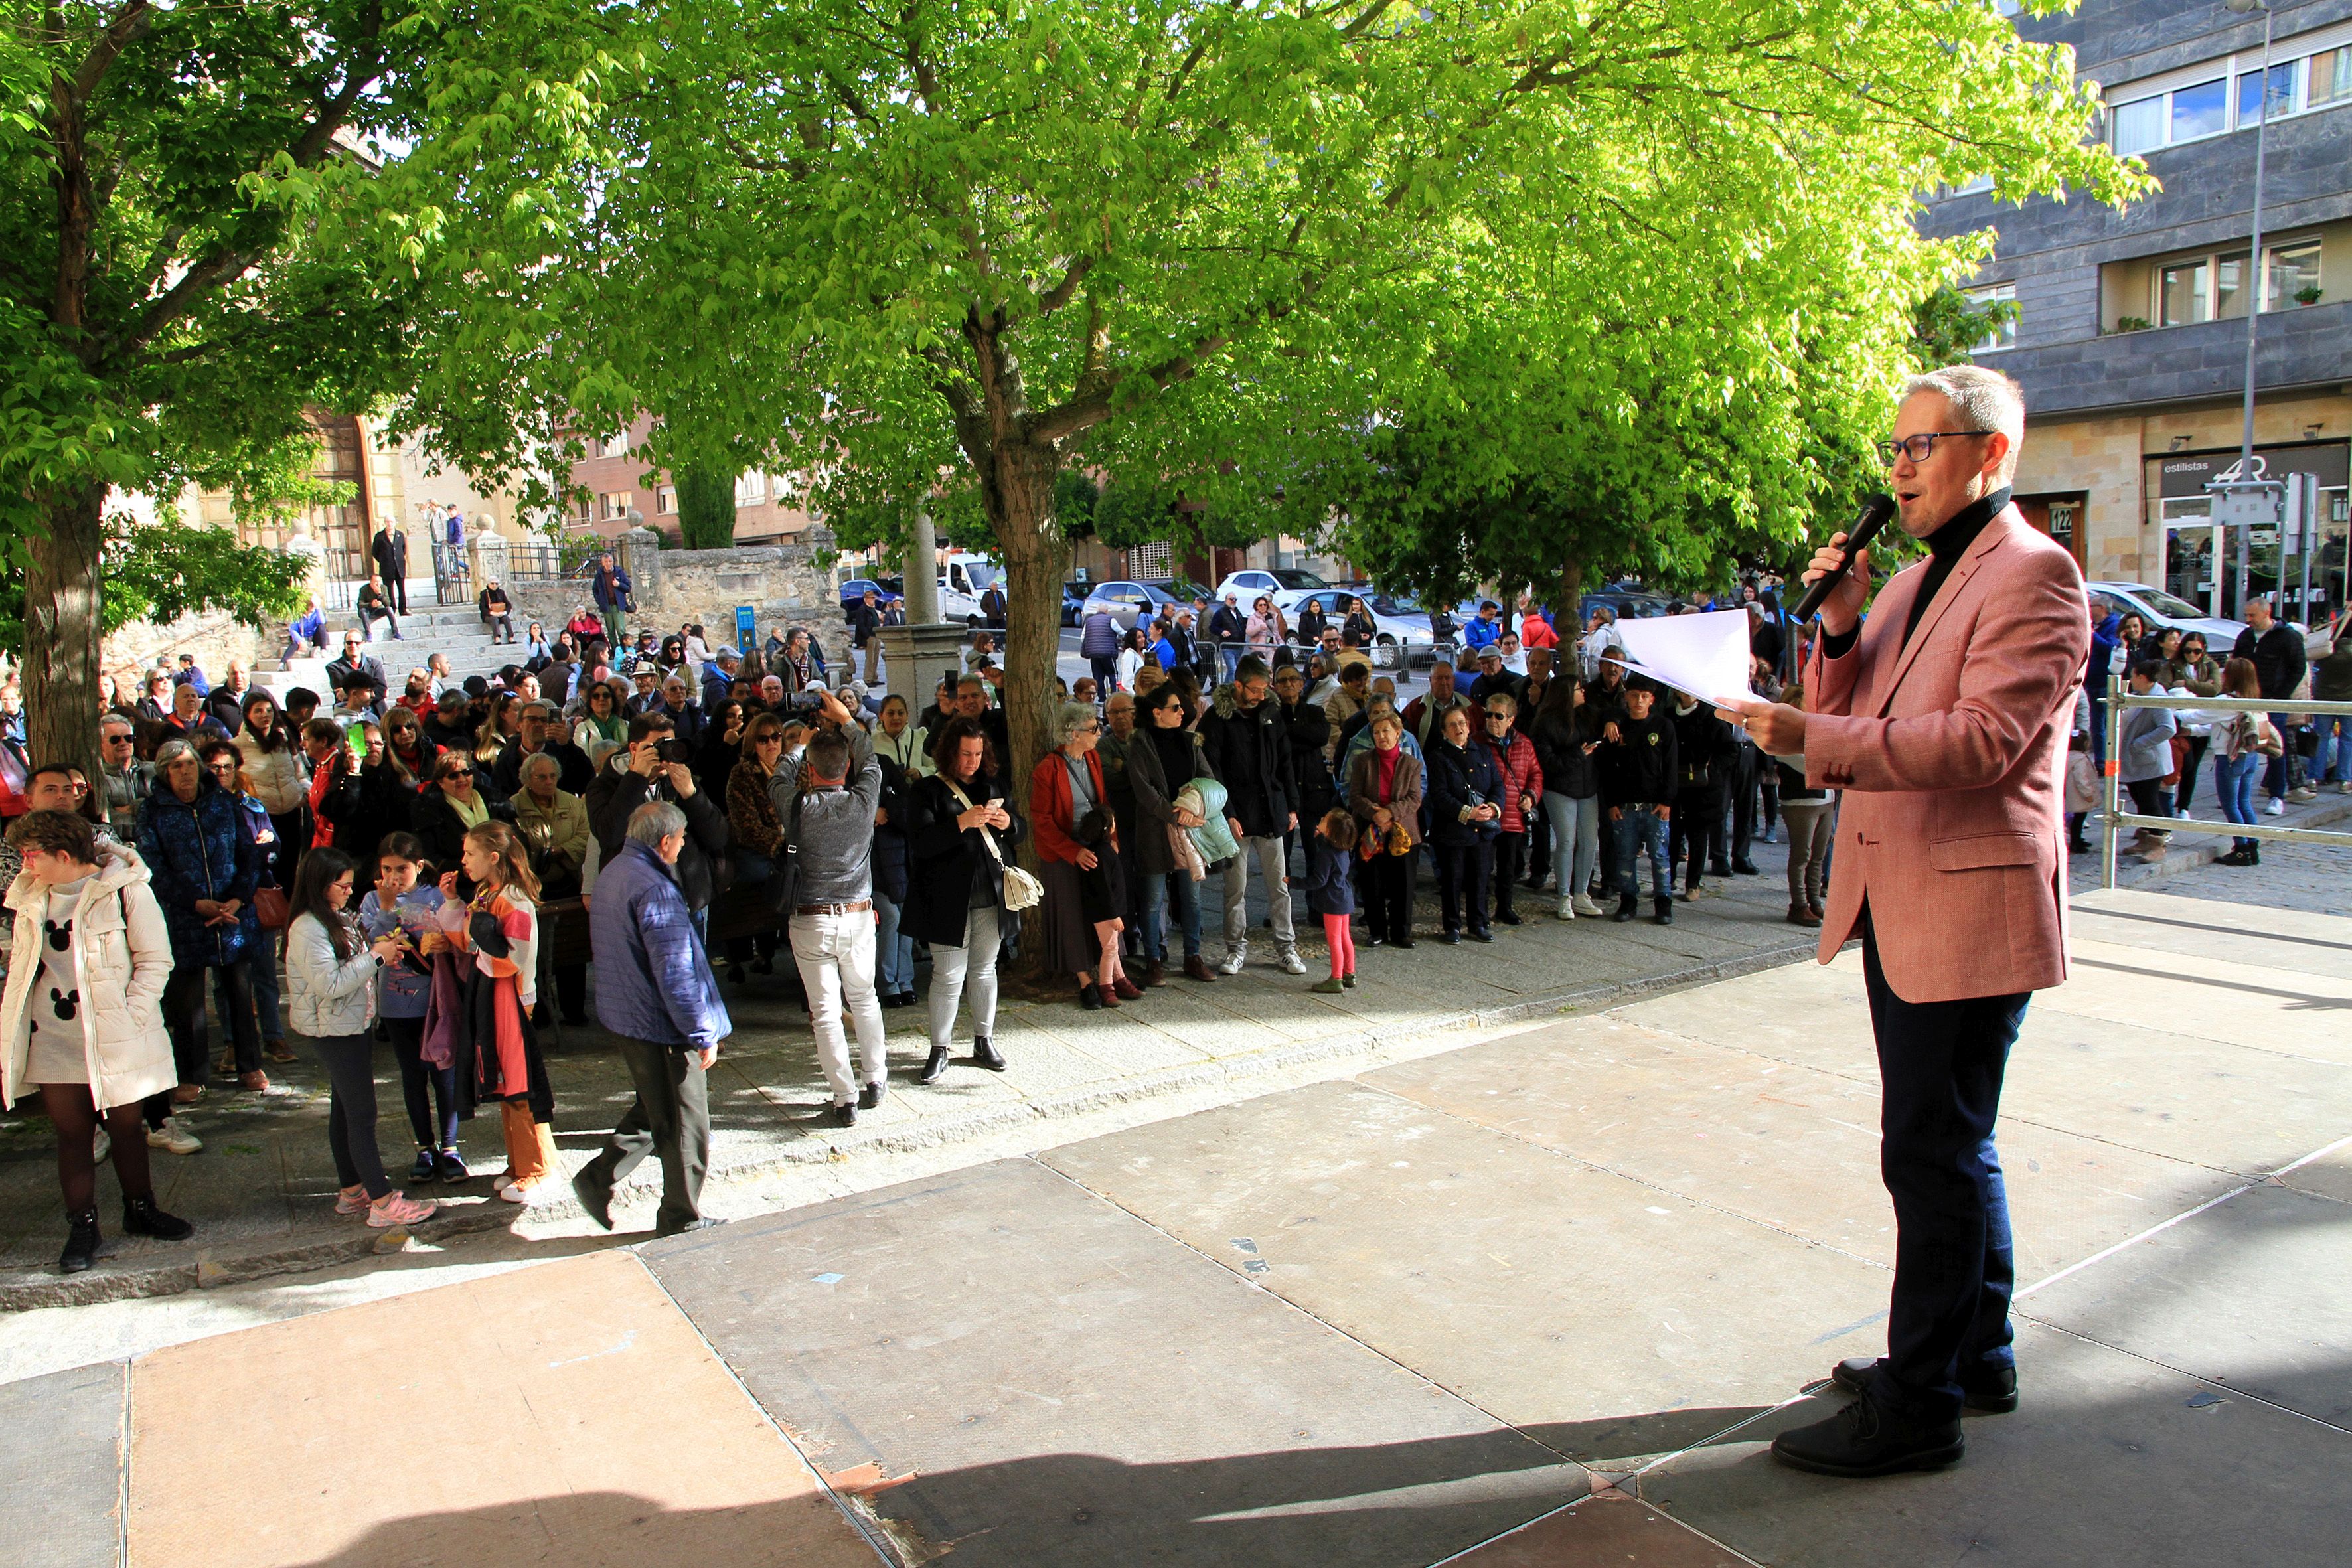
(2146, 750)
(835, 858)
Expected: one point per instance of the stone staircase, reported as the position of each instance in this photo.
(455, 630)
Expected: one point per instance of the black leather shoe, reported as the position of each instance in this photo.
(595, 1203)
(844, 1115)
(1665, 913)
(936, 1068)
(1373, 941)
(1861, 1440)
(1481, 934)
(870, 1097)
(984, 1054)
(1627, 910)
(1508, 918)
(1449, 938)
(81, 1241)
(1719, 868)
(1746, 868)
(141, 1217)
(1995, 1394)
(704, 1222)
(1402, 942)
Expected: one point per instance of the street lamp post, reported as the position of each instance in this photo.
(2261, 278)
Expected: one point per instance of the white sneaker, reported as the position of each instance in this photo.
(1586, 907)
(1567, 911)
(2277, 807)
(2182, 815)
(1233, 960)
(175, 1137)
(1289, 960)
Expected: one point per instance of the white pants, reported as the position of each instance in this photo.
(1273, 869)
(836, 955)
(973, 967)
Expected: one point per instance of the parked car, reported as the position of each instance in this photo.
(858, 587)
(1126, 598)
(1394, 627)
(1285, 586)
(1074, 602)
(1629, 606)
(2161, 610)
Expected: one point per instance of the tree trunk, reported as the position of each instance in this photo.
(1037, 563)
(1568, 614)
(62, 627)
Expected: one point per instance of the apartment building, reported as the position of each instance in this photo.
(616, 484)
(2131, 340)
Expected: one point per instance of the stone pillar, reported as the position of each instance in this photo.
(928, 651)
(639, 554)
(921, 567)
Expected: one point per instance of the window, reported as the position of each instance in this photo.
(666, 500)
(587, 509)
(615, 504)
(2003, 334)
(2200, 110)
(2294, 272)
(2213, 288)
(750, 488)
(2156, 116)
(613, 446)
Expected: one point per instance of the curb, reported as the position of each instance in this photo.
(1237, 1073)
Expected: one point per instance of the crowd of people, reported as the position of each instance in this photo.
(369, 864)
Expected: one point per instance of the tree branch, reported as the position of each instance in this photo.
(1063, 292)
(130, 24)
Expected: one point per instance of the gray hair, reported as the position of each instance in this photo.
(171, 752)
(654, 821)
(116, 718)
(539, 763)
(1068, 717)
(1984, 399)
(539, 706)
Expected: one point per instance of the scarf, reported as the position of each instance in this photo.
(322, 779)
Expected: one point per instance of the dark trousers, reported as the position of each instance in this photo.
(183, 1017)
(1462, 873)
(1510, 858)
(671, 1117)
(1538, 856)
(350, 1062)
(368, 619)
(1387, 884)
(430, 1092)
(1695, 826)
(395, 590)
(1941, 1065)
(1743, 804)
(1106, 672)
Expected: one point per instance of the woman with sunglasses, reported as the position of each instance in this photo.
(755, 827)
(224, 765)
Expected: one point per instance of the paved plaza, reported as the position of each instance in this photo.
(1539, 1298)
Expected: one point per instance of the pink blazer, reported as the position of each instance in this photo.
(1951, 752)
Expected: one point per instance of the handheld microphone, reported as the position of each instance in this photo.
(1875, 513)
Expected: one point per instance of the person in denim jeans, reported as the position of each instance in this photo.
(2331, 682)
(1639, 774)
(2238, 758)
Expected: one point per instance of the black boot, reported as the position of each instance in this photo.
(81, 1241)
(1665, 913)
(2254, 854)
(936, 1068)
(141, 1217)
(1628, 907)
(1863, 1440)
(984, 1053)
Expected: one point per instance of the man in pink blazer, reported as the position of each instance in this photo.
(1943, 718)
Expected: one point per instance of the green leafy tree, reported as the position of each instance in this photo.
(947, 252)
(706, 508)
(172, 292)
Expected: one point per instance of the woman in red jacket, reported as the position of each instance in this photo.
(1080, 913)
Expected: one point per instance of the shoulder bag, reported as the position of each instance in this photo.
(1022, 890)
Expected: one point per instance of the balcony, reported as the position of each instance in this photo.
(2304, 346)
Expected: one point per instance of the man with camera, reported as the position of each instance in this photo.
(655, 767)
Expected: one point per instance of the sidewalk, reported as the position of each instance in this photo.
(1540, 1300)
(262, 1192)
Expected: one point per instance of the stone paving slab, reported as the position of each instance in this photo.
(602, 1434)
(1566, 1299)
(2110, 1459)
(1059, 1383)
(1612, 1528)
(61, 1453)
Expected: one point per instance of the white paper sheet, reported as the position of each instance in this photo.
(1704, 656)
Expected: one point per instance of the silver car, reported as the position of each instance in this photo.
(2163, 611)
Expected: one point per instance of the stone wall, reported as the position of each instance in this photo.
(781, 583)
(213, 637)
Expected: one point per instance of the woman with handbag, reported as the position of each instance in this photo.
(1384, 791)
(1162, 757)
(274, 873)
(961, 890)
(2241, 747)
(1063, 788)
(1463, 819)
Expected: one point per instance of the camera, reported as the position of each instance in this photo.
(673, 751)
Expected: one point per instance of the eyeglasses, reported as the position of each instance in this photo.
(1919, 448)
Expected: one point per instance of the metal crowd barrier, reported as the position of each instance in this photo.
(2114, 819)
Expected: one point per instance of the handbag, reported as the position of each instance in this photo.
(271, 908)
(1400, 840)
(1022, 890)
(2082, 781)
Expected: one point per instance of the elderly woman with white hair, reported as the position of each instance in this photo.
(1078, 846)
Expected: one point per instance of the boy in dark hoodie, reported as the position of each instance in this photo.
(1639, 776)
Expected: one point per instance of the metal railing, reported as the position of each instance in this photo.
(2114, 819)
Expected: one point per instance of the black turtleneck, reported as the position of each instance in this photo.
(1945, 548)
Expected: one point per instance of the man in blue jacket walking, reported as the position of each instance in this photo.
(655, 991)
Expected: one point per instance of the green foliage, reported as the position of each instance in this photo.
(1948, 325)
(706, 508)
(159, 570)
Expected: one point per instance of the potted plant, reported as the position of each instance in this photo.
(2307, 295)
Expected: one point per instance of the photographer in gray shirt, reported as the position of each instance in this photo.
(828, 806)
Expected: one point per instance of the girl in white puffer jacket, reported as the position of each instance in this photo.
(331, 975)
